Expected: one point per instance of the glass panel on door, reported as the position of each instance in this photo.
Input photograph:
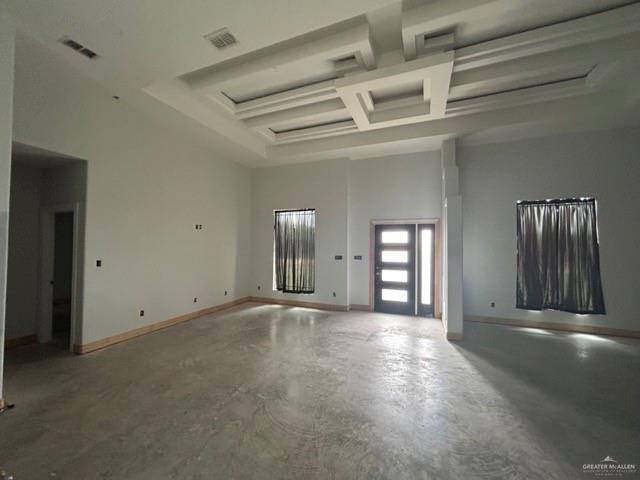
(395, 256)
(399, 276)
(426, 252)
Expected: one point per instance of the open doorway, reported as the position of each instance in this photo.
(62, 278)
(46, 225)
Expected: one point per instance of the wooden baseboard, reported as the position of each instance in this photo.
(564, 327)
(154, 327)
(361, 308)
(296, 303)
(10, 343)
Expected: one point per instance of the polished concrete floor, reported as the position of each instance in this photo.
(271, 392)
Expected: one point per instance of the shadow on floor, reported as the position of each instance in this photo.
(567, 385)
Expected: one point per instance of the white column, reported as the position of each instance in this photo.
(452, 316)
(7, 51)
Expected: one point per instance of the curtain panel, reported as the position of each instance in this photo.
(294, 254)
(558, 256)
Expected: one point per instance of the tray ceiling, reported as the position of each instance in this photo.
(344, 80)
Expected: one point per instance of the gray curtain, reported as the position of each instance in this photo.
(558, 256)
(295, 232)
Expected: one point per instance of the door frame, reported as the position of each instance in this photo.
(437, 276)
(46, 267)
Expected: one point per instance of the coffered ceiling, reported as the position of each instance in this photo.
(395, 78)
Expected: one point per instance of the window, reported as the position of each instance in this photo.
(558, 256)
(294, 251)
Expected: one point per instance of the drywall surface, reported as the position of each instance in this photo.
(147, 188)
(24, 249)
(320, 185)
(347, 196)
(493, 178)
(7, 44)
(387, 188)
(64, 185)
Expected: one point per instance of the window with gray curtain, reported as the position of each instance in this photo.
(294, 250)
(558, 256)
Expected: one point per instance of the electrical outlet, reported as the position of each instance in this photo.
(259, 287)
(195, 299)
(225, 293)
(142, 313)
(98, 263)
(493, 304)
(334, 294)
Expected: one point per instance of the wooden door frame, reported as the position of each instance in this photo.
(437, 268)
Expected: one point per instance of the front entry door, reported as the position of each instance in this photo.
(395, 274)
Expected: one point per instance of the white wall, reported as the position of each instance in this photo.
(493, 177)
(146, 189)
(319, 185)
(24, 248)
(397, 187)
(347, 195)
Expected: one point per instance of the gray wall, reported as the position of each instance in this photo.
(319, 185)
(603, 165)
(396, 187)
(347, 195)
(24, 246)
(7, 49)
(33, 188)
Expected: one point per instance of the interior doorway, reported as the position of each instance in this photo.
(405, 268)
(46, 248)
(62, 281)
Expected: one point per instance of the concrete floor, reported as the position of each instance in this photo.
(270, 392)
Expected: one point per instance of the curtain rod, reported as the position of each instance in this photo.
(296, 210)
(556, 201)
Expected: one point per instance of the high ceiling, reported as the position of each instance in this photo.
(320, 79)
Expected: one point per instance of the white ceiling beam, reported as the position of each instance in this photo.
(569, 59)
(344, 41)
(564, 110)
(433, 71)
(585, 30)
(298, 114)
(318, 92)
(439, 17)
(524, 96)
(321, 131)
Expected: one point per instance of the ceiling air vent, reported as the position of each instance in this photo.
(221, 38)
(78, 47)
